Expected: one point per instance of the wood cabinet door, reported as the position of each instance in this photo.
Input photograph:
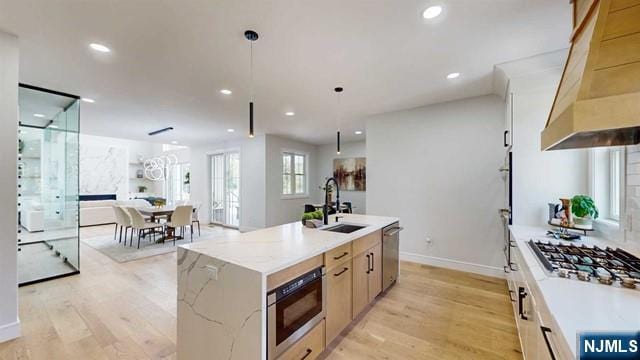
(360, 282)
(375, 275)
(339, 299)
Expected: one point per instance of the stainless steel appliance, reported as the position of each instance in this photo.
(589, 263)
(390, 254)
(293, 309)
(506, 212)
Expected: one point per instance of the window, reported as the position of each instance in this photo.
(294, 174)
(177, 185)
(615, 167)
(607, 174)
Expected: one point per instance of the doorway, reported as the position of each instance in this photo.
(225, 189)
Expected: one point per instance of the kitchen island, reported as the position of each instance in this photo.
(223, 286)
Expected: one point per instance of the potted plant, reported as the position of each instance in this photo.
(315, 215)
(585, 211)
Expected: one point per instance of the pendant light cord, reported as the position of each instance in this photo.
(251, 70)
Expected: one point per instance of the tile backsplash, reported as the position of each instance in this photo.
(633, 193)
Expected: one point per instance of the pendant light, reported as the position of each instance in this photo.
(251, 36)
(338, 90)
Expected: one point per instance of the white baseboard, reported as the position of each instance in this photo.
(244, 229)
(9, 331)
(453, 264)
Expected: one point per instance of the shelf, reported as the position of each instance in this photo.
(571, 228)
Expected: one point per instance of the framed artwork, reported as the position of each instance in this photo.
(351, 173)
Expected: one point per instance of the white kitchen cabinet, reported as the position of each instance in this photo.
(533, 316)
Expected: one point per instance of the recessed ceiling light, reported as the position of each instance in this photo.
(432, 12)
(358, 132)
(231, 130)
(174, 142)
(38, 115)
(99, 47)
(88, 100)
(289, 113)
(226, 91)
(53, 126)
(453, 75)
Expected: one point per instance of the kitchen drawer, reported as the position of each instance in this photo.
(276, 279)
(307, 348)
(366, 242)
(338, 255)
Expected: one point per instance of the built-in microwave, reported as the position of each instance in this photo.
(293, 309)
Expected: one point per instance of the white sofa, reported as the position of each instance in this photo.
(98, 212)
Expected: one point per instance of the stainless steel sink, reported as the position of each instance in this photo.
(344, 228)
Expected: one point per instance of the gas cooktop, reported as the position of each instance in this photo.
(589, 263)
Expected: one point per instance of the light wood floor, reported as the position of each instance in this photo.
(127, 311)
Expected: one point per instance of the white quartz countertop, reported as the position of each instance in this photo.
(580, 306)
(272, 249)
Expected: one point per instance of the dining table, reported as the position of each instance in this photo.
(154, 212)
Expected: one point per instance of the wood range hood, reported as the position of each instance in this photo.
(598, 99)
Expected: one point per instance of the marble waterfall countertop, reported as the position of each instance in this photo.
(272, 249)
(576, 305)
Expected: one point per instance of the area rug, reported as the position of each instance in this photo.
(120, 253)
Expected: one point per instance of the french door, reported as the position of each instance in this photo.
(225, 189)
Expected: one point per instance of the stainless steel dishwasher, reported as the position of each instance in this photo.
(390, 254)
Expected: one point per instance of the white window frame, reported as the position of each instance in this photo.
(293, 195)
(609, 226)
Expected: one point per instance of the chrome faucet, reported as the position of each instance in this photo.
(325, 208)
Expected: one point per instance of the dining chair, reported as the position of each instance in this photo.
(349, 206)
(194, 217)
(180, 219)
(123, 220)
(141, 226)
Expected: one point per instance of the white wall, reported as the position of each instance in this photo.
(252, 179)
(539, 177)
(281, 210)
(326, 154)
(133, 151)
(633, 194)
(261, 202)
(9, 322)
(436, 168)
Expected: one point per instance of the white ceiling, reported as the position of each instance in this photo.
(170, 59)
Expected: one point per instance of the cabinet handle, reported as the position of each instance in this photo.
(510, 297)
(522, 293)
(341, 256)
(368, 263)
(309, 351)
(372, 262)
(341, 272)
(546, 330)
(504, 138)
